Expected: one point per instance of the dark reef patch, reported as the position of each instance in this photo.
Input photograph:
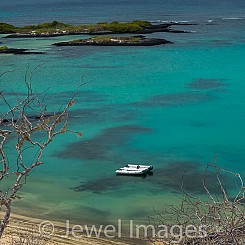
(101, 146)
(99, 185)
(177, 99)
(89, 96)
(109, 183)
(173, 176)
(111, 113)
(86, 96)
(189, 176)
(205, 84)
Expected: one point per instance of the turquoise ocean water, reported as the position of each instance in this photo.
(175, 106)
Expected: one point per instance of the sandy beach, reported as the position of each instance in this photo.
(26, 230)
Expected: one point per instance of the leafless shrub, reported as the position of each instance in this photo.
(210, 219)
(16, 126)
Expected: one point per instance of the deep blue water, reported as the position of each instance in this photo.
(175, 106)
(29, 12)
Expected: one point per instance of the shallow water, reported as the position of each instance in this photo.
(174, 106)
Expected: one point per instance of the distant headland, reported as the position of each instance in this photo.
(56, 28)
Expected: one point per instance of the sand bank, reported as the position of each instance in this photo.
(26, 230)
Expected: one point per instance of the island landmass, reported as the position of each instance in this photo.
(7, 50)
(56, 28)
(115, 41)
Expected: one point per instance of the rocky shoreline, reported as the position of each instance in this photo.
(18, 51)
(116, 41)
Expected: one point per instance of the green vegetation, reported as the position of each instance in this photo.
(116, 26)
(56, 27)
(4, 27)
(2, 48)
(51, 25)
(104, 39)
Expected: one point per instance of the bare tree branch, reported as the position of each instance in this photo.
(15, 124)
(222, 216)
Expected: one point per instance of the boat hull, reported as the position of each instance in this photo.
(130, 173)
(133, 169)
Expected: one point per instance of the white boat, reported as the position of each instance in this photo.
(131, 171)
(134, 169)
(138, 166)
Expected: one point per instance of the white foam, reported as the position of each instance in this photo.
(184, 21)
(233, 18)
(156, 21)
(171, 21)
